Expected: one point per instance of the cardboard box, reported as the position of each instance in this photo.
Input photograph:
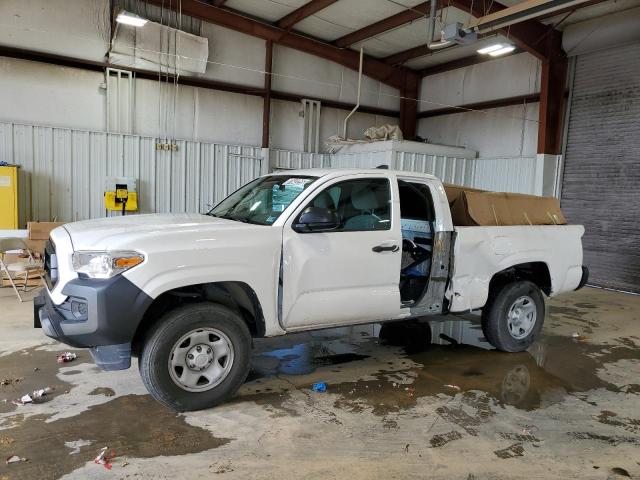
(36, 246)
(502, 209)
(41, 230)
(454, 191)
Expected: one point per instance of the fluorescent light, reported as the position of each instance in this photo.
(491, 48)
(502, 51)
(129, 18)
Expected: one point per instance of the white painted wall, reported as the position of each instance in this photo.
(287, 125)
(496, 133)
(37, 93)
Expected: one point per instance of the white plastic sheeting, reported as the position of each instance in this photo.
(63, 171)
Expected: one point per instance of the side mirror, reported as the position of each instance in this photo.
(315, 219)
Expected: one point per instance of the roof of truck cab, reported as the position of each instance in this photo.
(336, 172)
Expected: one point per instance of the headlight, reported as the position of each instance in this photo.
(105, 264)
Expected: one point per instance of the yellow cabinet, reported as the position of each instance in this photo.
(9, 198)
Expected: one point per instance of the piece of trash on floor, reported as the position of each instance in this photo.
(104, 458)
(42, 392)
(66, 357)
(455, 387)
(15, 459)
(319, 387)
(28, 398)
(529, 430)
(580, 338)
(124, 464)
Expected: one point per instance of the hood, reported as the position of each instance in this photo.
(125, 232)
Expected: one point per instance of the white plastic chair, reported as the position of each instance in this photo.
(14, 270)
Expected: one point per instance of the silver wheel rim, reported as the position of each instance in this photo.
(201, 359)
(521, 317)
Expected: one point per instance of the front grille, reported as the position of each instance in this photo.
(50, 265)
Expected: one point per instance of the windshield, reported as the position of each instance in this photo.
(263, 200)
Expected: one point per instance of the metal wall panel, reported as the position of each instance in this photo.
(64, 171)
(287, 159)
(507, 174)
(601, 182)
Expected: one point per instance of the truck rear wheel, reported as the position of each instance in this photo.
(196, 356)
(513, 316)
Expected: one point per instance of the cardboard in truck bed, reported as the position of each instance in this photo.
(472, 207)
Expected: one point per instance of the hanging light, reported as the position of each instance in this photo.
(491, 48)
(128, 18)
(502, 51)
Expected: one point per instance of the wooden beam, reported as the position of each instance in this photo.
(384, 25)
(372, 67)
(303, 12)
(410, 93)
(94, 66)
(463, 62)
(553, 78)
(527, 35)
(503, 102)
(266, 110)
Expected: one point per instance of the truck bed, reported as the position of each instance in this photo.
(481, 252)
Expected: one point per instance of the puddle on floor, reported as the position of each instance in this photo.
(32, 369)
(133, 426)
(452, 356)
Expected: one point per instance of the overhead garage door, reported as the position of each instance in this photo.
(601, 182)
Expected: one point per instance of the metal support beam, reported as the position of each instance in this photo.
(91, 65)
(303, 12)
(463, 62)
(553, 79)
(373, 67)
(528, 35)
(410, 93)
(503, 102)
(401, 57)
(384, 25)
(266, 110)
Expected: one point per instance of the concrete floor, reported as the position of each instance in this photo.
(569, 408)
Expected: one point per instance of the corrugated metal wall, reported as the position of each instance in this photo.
(508, 174)
(505, 174)
(64, 171)
(601, 183)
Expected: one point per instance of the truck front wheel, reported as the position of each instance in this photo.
(513, 316)
(196, 356)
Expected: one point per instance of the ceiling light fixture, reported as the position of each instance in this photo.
(491, 48)
(502, 51)
(128, 18)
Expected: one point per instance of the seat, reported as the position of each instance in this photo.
(14, 270)
(367, 202)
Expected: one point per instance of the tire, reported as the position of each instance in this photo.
(507, 328)
(224, 353)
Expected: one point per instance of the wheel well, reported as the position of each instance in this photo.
(535, 272)
(237, 296)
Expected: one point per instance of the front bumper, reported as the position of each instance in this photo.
(102, 315)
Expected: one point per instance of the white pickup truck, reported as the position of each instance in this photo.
(291, 251)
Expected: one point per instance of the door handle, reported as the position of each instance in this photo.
(385, 248)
